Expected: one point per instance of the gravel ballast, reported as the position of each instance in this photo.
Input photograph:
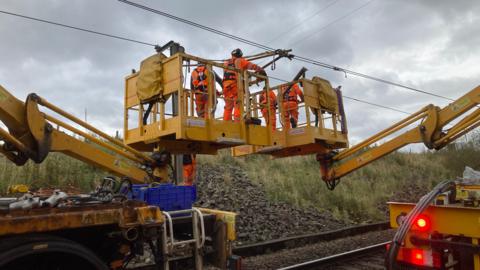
(310, 252)
(227, 187)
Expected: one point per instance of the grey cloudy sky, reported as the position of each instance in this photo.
(431, 44)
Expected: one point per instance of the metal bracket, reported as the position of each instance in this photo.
(40, 129)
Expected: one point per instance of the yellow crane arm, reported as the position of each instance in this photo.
(31, 135)
(430, 130)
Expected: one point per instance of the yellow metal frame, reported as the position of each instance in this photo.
(451, 220)
(186, 133)
(227, 217)
(467, 219)
(32, 134)
(52, 219)
(306, 138)
(431, 121)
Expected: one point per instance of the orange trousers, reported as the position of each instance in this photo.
(290, 109)
(272, 119)
(188, 174)
(201, 102)
(230, 94)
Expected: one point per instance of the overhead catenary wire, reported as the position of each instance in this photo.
(354, 99)
(303, 21)
(152, 45)
(267, 48)
(299, 58)
(77, 28)
(210, 29)
(358, 74)
(333, 22)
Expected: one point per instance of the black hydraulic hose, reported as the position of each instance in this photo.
(407, 223)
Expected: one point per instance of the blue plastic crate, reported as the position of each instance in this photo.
(185, 196)
(166, 196)
(170, 197)
(139, 192)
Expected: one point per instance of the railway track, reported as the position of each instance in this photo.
(371, 257)
(298, 241)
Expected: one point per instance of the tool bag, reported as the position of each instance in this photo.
(149, 82)
(319, 94)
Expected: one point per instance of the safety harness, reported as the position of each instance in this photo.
(229, 75)
(287, 96)
(199, 80)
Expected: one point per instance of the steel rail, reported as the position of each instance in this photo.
(340, 257)
(302, 240)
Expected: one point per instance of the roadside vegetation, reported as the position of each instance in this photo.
(57, 170)
(360, 197)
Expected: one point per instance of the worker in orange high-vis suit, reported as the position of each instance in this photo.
(199, 83)
(273, 107)
(230, 91)
(290, 100)
(189, 165)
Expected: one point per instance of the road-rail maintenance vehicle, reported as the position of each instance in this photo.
(106, 229)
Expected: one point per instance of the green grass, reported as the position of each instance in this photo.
(360, 196)
(57, 170)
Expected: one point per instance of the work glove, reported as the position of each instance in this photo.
(262, 72)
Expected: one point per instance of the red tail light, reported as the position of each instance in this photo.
(422, 223)
(420, 257)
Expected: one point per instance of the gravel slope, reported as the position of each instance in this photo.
(227, 187)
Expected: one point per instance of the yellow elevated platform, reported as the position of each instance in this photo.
(321, 127)
(173, 125)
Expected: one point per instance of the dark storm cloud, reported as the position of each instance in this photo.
(431, 45)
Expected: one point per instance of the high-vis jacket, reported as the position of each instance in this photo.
(273, 99)
(240, 63)
(199, 79)
(292, 94)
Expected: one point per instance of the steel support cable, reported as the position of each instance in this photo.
(213, 30)
(358, 74)
(77, 28)
(297, 57)
(352, 98)
(333, 22)
(375, 104)
(325, 26)
(267, 48)
(151, 44)
(304, 20)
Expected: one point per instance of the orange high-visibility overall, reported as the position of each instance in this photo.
(189, 165)
(273, 105)
(230, 89)
(290, 104)
(199, 85)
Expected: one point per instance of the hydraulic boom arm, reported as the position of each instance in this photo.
(430, 130)
(31, 135)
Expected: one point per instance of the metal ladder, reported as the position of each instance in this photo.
(169, 243)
